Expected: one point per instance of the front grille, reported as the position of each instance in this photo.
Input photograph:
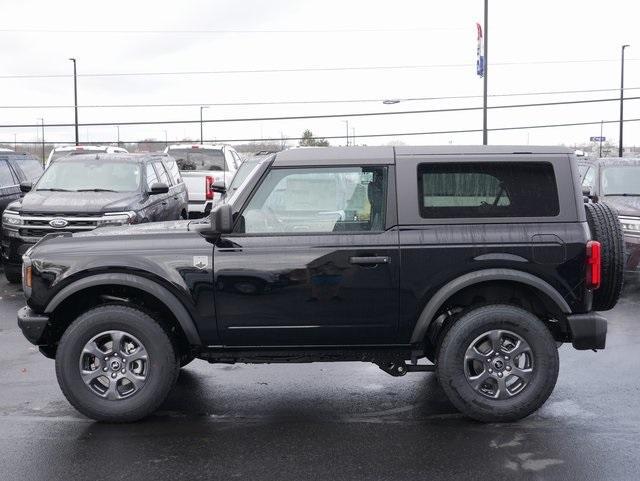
(37, 225)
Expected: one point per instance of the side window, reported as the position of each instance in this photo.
(163, 176)
(236, 158)
(316, 200)
(487, 189)
(152, 178)
(589, 177)
(6, 177)
(174, 172)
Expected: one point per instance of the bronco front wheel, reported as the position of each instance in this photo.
(498, 363)
(116, 364)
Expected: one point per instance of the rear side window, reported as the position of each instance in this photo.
(487, 189)
(152, 177)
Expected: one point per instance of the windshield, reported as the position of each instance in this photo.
(91, 175)
(242, 173)
(621, 180)
(199, 159)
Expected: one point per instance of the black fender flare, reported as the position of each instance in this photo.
(466, 280)
(142, 283)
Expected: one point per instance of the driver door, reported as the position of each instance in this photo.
(313, 260)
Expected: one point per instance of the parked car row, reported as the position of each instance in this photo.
(616, 182)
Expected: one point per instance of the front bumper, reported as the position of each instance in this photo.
(631, 253)
(13, 248)
(589, 331)
(32, 324)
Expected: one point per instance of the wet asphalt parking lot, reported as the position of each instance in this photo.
(339, 421)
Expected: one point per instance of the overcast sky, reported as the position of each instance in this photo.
(39, 36)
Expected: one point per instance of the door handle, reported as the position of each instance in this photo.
(369, 260)
(164, 203)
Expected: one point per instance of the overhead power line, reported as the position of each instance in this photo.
(329, 137)
(316, 102)
(232, 31)
(307, 69)
(318, 116)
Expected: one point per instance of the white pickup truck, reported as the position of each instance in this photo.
(200, 166)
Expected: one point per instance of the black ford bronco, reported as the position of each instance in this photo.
(474, 262)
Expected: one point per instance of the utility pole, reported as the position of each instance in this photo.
(485, 37)
(601, 124)
(75, 96)
(201, 109)
(347, 122)
(42, 123)
(621, 147)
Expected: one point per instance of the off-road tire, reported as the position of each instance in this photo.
(605, 228)
(163, 364)
(451, 363)
(13, 274)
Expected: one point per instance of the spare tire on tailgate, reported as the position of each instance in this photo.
(605, 228)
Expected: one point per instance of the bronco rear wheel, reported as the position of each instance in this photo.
(116, 364)
(498, 363)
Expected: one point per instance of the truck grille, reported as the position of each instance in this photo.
(38, 225)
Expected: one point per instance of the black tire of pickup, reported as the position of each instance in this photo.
(162, 360)
(508, 320)
(606, 229)
(13, 274)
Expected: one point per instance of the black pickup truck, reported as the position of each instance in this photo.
(474, 262)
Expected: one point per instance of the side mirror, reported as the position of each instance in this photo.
(586, 190)
(158, 188)
(219, 187)
(25, 187)
(222, 219)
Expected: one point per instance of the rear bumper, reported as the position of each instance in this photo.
(200, 207)
(589, 331)
(32, 324)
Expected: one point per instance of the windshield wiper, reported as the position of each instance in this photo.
(624, 194)
(96, 190)
(53, 189)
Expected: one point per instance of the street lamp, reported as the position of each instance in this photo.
(202, 107)
(621, 148)
(42, 123)
(75, 96)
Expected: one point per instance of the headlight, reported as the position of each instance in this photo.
(11, 219)
(116, 218)
(26, 274)
(630, 225)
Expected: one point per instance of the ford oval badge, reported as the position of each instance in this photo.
(58, 223)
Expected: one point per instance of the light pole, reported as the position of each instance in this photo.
(601, 124)
(165, 139)
(118, 127)
(75, 96)
(202, 107)
(353, 135)
(15, 142)
(485, 37)
(621, 148)
(347, 122)
(42, 123)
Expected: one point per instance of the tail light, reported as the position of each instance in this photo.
(208, 184)
(593, 265)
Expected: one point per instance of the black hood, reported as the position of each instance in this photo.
(77, 202)
(624, 205)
